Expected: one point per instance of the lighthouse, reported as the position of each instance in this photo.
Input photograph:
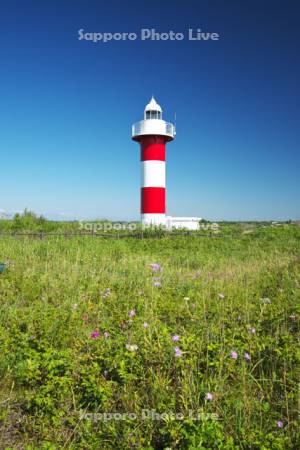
(153, 133)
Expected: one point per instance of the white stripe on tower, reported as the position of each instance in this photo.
(153, 219)
(153, 174)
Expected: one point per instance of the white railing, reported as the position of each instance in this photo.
(153, 126)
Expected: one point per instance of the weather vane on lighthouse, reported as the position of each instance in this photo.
(153, 133)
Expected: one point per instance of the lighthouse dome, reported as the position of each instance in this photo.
(153, 110)
(153, 105)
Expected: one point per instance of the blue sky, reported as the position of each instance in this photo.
(67, 107)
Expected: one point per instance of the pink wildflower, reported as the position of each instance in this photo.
(95, 334)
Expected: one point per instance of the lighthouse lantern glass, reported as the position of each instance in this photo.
(152, 115)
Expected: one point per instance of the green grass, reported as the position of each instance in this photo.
(53, 295)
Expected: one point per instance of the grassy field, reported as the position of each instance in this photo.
(206, 338)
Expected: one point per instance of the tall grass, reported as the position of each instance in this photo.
(219, 295)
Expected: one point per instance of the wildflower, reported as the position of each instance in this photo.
(178, 352)
(74, 306)
(95, 334)
(239, 318)
(106, 334)
(131, 313)
(145, 325)
(265, 300)
(157, 284)
(209, 396)
(233, 355)
(155, 267)
(175, 338)
(221, 296)
(279, 424)
(156, 279)
(194, 305)
(186, 298)
(247, 356)
(131, 348)
(106, 293)
(105, 373)
(252, 330)
(293, 317)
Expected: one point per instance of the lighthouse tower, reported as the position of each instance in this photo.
(152, 133)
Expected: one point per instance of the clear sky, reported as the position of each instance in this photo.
(67, 106)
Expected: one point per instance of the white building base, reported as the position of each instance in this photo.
(171, 223)
(154, 220)
(187, 223)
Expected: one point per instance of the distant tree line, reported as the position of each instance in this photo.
(30, 221)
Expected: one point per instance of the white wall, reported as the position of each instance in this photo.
(189, 223)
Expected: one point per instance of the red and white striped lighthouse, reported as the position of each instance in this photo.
(152, 133)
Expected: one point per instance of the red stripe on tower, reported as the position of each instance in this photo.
(153, 200)
(153, 148)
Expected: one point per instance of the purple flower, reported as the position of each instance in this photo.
(209, 396)
(175, 338)
(157, 284)
(239, 318)
(233, 355)
(131, 313)
(279, 424)
(155, 267)
(178, 352)
(145, 325)
(106, 334)
(95, 334)
(247, 356)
